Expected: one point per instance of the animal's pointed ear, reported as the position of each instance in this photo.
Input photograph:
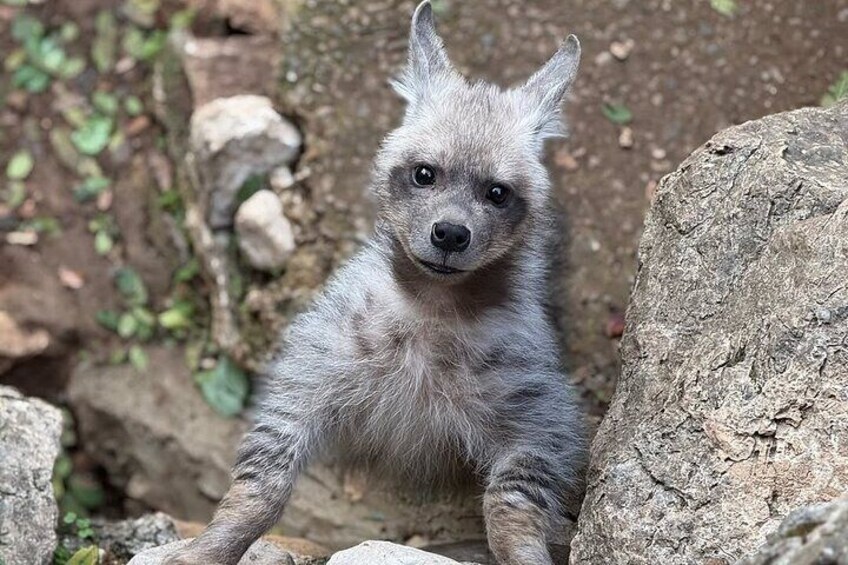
(549, 85)
(427, 56)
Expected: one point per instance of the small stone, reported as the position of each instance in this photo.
(625, 138)
(281, 178)
(621, 49)
(566, 160)
(25, 238)
(265, 235)
(70, 278)
(104, 200)
(603, 58)
(658, 153)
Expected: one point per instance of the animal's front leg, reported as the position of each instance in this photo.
(269, 460)
(521, 505)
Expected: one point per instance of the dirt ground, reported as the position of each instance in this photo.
(683, 69)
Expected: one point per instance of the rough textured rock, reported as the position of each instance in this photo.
(232, 139)
(266, 238)
(385, 553)
(29, 445)
(260, 553)
(219, 67)
(154, 433)
(813, 535)
(162, 444)
(731, 409)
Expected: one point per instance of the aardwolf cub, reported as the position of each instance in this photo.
(432, 350)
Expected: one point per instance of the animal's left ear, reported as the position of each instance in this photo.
(548, 86)
(428, 59)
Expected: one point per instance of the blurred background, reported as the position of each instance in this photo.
(131, 297)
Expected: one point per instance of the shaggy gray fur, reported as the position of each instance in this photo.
(422, 375)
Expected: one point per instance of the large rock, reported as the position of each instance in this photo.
(813, 535)
(732, 407)
(154, 433)
(164, 446)
(231, 140)
(29, 445)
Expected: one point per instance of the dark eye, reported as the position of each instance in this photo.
(423, 175)
(498, 194)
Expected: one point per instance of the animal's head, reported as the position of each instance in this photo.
(461, 181)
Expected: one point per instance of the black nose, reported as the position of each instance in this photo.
(450, 237)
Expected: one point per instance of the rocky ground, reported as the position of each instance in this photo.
(132, 292)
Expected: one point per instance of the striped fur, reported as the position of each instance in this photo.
(421, 376)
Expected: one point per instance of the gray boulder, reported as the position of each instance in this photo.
(29, 444)
(813, 535)
(731, 408)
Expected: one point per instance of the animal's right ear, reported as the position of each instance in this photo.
(427, 56)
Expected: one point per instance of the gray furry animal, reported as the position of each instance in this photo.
(431, 350)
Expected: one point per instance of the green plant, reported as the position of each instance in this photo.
(225, 387)
(617, 113)
(837, 91)
(724, 7)
(41, 56)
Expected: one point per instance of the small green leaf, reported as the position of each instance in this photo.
(108, 319)
(724, 7)
(105, 102)
(43, 224)
(618, 113)
(183, 18)
(103, 47)
(31, 79)
(103, 243)
(178, 317)
(69, 32)
(138, 358)
(133, 105)
(837, 91)
(72, 68)
(94, 135)
(127, 325)
(16, 193)
(69, 518)
(85, 556)
(20, 165)
(225, 387)
(188, 271)
(90, 188)
(131, 286)
(26, 27)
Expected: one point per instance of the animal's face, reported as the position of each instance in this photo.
(461, 181)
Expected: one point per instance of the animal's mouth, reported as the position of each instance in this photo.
(441, 269)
